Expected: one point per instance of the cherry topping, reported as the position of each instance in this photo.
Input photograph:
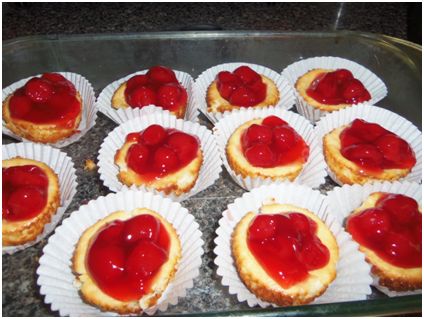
(141, 96)
(153, 135)
(165, 159)
(156, 151)
(171, 96)
(161, 75)
(243, 87)
(125, 256)
(24, 192)
(184, 145)
(257, 134)
(273, 143)
(38, 90)
(390, 230)
(374, 148)
(247, 75)
(260, 155)
(142, 227)
(54, 77)
(286, 246)
(20, 105)
(137, 80)
(338, 87)
(138, 158)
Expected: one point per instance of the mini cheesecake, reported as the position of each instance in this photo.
(284, 255)
(46, 109)
(241, 88)
(165, 159)
(388, 229)
(363, 152)
(267, 148)
(159, 87)
(125, 262)
(31, 196)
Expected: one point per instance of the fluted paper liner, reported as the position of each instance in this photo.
(55, 277)
(209, 171)
(353, 279)
(89, 110)
(313, 173)
(294, 71)
(389, 120)
(344, 200)
(62, 165)
(104, 101)
(200, 87)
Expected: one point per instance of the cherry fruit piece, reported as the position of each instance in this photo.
(171, 95)
(161, 75)
(247, 75)
(260, 155)
(153, 135)
(273, 121)
(257, 134)
(20, 105)
(145, 259)
(284, 137)
(141, 227)
(366, 155)
(108, 261)
(242, 96)
(262, 227)
(38, 90)
(25, 199)
(343, 74)
(393, 148)
(112, 232)
(138, 158)
(184, 145)
(402, 208)
(141, 96)
(137, 80)
(165, 159)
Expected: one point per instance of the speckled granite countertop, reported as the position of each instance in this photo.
(21, 295)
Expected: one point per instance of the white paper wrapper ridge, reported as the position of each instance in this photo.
(344, 200)
(55, 276)
(209, 172)
(104, 101)
(62, 165)
(353, 273)
(200, 87)
(313, 173)
(373, 84)
(389, 120)
(89, 110)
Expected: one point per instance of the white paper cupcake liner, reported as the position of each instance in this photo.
(353, 278)
(374, 84)
(313, 173)
(62, 165)
(344, 200)
(89, 110)
(389, 120)
(200, 87)
(55, 276)
(104, 101)
(209, 172)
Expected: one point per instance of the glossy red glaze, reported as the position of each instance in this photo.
(24, 192)
(242, 87)
(159, 86)
(286, 246)
(392, 229)
(273, 143)
(125, 256)
(159, 151)
(374, 148)
(50, 99)
(338, 87)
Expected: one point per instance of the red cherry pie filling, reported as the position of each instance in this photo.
(267, 147)
(284, 246)
(367, 150)
(129, 260)
(30, 195)
(166, 159)
(45, 109)
(331, 90)
(243, 87)
(388, 228)
(159, 87)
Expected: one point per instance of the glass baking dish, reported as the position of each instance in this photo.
(103, 58)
